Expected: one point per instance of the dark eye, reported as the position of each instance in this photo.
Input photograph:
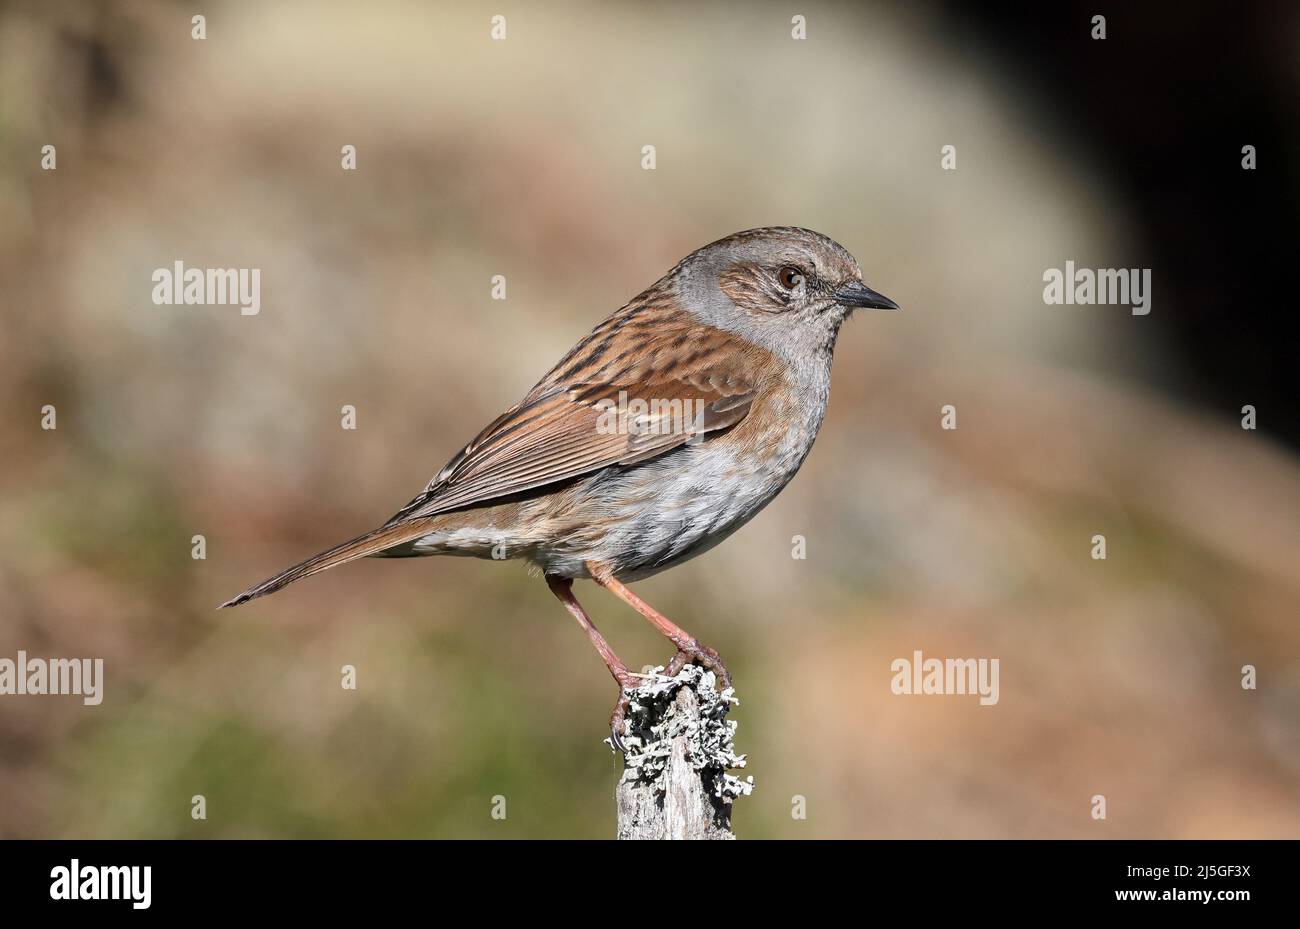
(789, 277)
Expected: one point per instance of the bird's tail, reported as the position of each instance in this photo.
(370, 543)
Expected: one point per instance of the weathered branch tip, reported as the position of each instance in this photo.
(678, 750)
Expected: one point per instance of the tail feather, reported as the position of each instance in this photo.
(369, 543)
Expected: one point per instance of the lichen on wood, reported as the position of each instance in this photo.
(678, 752)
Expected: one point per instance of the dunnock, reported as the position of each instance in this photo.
(657, 436)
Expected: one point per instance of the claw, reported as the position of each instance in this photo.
(616, 722)
(698, 653)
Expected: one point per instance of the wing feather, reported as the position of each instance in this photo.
(567, 428)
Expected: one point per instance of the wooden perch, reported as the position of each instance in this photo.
(677, 753)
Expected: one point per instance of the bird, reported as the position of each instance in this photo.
(658, 435)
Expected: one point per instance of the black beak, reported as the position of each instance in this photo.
(856, 293)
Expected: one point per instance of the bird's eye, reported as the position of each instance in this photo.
(789, 277)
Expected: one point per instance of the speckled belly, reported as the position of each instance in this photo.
(670, 509)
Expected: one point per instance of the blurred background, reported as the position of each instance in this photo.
(522, 158)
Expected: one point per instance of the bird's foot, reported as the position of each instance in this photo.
(617, 722)
(626, 681)
(694, 651)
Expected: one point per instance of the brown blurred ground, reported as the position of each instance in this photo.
(522, 158)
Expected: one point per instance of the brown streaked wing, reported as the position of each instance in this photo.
(553, 434)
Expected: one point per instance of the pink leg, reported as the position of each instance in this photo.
(563, 589)
(689, 648)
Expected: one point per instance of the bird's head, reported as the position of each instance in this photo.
(785, 288)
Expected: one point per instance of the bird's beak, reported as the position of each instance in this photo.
(856, 293)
